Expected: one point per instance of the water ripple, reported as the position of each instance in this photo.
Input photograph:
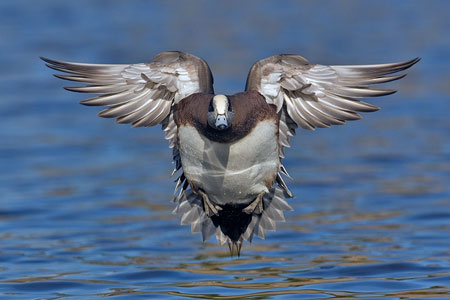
(85, 209)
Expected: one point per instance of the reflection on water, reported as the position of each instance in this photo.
(85, 209)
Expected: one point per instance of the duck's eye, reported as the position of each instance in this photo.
(211, 107)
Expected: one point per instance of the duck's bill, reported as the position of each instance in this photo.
(221, 122)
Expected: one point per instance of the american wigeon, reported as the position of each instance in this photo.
(229, 149)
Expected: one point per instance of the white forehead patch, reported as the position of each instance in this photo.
(220, 103)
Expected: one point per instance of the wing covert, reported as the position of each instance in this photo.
(317, 95)
(311, 95)
(140, 94)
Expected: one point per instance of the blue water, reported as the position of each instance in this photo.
(85, 210)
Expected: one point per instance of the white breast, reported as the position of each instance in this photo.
(230, 172)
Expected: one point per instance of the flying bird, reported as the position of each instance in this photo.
(228, 149)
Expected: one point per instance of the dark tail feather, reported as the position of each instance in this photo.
(235, 247)
(232, 221)
(232, 226)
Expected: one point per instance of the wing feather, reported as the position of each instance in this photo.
(153, 87)
(310, 96)
(142, 94)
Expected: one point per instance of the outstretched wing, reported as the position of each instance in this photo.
(310, 96)
(141, 94)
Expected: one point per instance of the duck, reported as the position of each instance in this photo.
(228, 149)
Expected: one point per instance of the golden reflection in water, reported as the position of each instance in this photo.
(412, 185)
(257, 276)
(289, 286)
(432, 293)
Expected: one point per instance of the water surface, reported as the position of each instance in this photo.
(85, 210)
